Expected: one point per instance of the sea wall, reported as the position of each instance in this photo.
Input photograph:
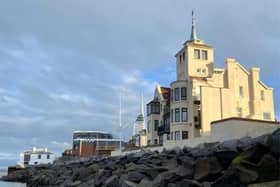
(232, 128)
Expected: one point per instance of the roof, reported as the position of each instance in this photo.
(140, 117)
(37, 152)
(246, 119)
(89, 131)
(165, 91)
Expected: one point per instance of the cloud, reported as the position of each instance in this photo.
(63, 70)
(72, 98)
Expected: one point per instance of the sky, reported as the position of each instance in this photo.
(63, 63)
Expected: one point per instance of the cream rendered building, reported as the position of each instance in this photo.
(203, 93)
(158, 116)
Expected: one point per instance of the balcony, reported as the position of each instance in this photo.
(197, 122)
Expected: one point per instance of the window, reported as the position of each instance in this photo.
(239, 112)
(184, 56)
(196, 54)
(241, 91)
(149, 142)
(262, 95)
(204, 55)
(171, 135)
(184, 114)
(266, 116)
(198, 70)
(177, 94)
(203, 70)
(168, 137)
(177, 115)
(156, 125)
(39, 156)
(48, 156)
(185, 135)
(183, 93)
(155, 141)
(171, 115)
(177, 135)
(160, 107)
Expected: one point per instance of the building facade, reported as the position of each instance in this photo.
(203, 93)
(93, 143)
(158, 116)
(36, 157)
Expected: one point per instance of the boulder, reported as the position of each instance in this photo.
(163, 179)
(228, 179)
(112, 181)
(246, 176)
(274, 142)
(207, 169)
(266, 184)
(225, 157)
(188, 183)
(135, 176)
(268, 169)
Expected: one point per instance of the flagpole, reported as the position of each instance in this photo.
(120, 117)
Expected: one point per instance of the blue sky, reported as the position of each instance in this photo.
(63, 62)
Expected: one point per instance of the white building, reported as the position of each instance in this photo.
(36, 156)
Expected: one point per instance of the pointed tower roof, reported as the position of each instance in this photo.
(193, 32)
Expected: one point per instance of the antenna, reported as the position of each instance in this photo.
(120, 120)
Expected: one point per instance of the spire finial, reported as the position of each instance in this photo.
(193, 33)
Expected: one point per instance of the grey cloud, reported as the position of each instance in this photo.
(63, 62)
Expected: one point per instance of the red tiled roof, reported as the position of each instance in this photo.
(165, 92)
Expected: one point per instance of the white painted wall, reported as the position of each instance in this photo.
(34, 158)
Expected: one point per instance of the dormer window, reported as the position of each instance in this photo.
(204, 55)
(196, 54)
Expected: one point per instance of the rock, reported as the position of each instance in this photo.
(112, 181)
(225, 157)
(76, 183)
(274, 142)
(252, 154)
(229, 179)
(81, 173)
(230, 145)
(268, 169)
(188, 183)
(207, 169)
(126, 183)
(197, 153)
(135, 176)
(101, 176)
(164, 178)
(170, 164)
(266, 184)
(145, 183)
(245, 175)
(152, 172)
(183, 172)
(186, 161)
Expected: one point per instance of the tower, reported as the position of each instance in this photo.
(140, 121)
(195, 59)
